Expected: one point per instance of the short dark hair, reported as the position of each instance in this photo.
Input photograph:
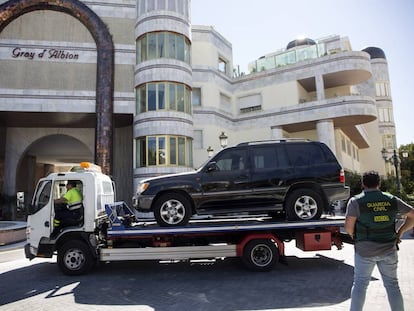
(72, 183)
(371, 179)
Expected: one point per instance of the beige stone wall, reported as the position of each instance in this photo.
(34, 77)
(47, 26)
(208, 46)
(280, 95)
(54, 76)
(28, 36)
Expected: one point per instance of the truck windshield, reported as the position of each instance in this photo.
(41, 197)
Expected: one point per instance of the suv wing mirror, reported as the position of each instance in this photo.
(212, 167)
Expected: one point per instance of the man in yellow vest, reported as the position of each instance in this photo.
(67, 208)
(72, 194)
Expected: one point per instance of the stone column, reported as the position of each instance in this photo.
(277, 132)
(320, 87)
(326, 133)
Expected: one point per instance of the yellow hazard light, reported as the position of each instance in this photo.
(86, 166)
(90, 167)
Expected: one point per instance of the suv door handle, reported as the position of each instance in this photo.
(47, 224)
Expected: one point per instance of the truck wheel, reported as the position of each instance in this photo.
(304, 204)
(260, 255)
(172, 209)
(75, 258)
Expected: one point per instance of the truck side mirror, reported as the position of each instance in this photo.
(20, 199)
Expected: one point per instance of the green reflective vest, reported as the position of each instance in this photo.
(378, 211)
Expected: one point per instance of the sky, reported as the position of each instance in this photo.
(256, 28)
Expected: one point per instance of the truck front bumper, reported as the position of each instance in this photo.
(44, 250)
(27, 251)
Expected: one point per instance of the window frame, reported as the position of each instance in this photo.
(176, 97)
(163, 44)
(164, 150)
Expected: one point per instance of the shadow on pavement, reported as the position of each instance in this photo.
(224, 285)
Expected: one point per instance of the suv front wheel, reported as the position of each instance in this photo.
(172, 209)
(304, 204)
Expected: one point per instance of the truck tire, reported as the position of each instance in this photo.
(172, 209)
(304, 204)
(75, 258)
(260, 255)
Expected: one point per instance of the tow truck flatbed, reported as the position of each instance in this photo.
(119, 227)
(259, 241)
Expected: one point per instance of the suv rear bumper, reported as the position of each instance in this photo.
(337, 193)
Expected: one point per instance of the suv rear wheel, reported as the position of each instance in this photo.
(172, 209)
(304, 204)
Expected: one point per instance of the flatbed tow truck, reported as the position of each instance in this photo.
(110, 231)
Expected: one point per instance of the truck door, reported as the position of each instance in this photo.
(41, 216)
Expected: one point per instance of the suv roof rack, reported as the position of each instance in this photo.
(271, 141)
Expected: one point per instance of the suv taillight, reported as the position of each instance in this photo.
(342, 176)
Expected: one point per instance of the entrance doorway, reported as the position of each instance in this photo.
(49, 154)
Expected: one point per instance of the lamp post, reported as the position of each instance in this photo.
(223, 140)
(210, 151)
(394, 159)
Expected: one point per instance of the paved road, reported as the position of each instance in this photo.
(310, 281)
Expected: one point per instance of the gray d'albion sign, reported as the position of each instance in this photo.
(48, 53)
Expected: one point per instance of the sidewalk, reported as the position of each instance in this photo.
(12, 246)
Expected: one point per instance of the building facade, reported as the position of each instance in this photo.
(51, 86)
(314, 89)
(175, 91)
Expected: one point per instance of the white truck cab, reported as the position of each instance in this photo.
(46, 233)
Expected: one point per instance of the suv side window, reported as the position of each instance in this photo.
(305, 154)
(232, 160)
(269, 157)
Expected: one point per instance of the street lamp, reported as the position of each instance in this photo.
(394, 159)
(223, 140)
(210, 151)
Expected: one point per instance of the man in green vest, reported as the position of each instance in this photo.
(370, 221)
(72, 194)
(68, 207)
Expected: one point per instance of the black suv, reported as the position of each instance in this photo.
(296, 178)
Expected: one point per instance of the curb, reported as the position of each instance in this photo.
(12, 232)
(12, 247)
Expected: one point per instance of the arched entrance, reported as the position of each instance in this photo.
(52, 153)
(39, 153)
(105, 64)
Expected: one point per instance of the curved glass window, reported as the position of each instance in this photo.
(162, 44)
(164, 150)
(290, 57)
(163, 96)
